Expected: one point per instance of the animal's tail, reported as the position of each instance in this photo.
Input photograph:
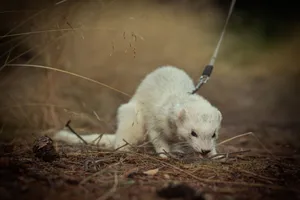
(107, 141)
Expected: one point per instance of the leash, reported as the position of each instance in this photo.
(209, 68)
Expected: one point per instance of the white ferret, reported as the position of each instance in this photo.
(164, 111)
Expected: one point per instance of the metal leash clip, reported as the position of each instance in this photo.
(204, 77)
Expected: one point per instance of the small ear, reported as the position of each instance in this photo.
(181, 114)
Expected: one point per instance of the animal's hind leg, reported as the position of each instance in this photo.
(130, 126)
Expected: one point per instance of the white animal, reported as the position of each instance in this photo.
(164, 111)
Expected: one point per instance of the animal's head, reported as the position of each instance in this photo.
(198, 124)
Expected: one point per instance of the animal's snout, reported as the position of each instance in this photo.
(204, 152)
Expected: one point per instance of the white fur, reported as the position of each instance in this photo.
(106, 141)
(163, 111)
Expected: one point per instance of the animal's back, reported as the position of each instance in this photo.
(162, 83)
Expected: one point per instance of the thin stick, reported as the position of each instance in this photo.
(69, 73)
(68, 125)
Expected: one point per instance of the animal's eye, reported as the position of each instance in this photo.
(194, 134)
(214, 135)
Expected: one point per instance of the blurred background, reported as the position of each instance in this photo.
(255, 82)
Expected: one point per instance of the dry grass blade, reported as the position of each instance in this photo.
(44, 47)
(246, 134)
(60, 2)
(15, 58)
(97, 116)
(17, 41)
(13, 40)
(8, 55)
(69, 73)
(17, 11)
(15, 46)
(233, 138)
(54, 30)
(263, 146)
(22, 23)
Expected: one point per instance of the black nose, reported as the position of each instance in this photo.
(205, 152)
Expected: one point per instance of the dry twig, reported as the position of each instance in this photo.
(71, 129)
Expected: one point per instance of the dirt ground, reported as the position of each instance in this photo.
(82, 172)
(255, 85)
